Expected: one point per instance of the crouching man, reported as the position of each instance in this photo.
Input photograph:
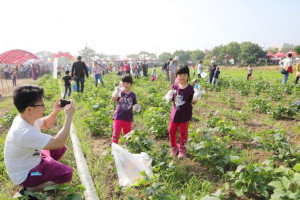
(31, 157)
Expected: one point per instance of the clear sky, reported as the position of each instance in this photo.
(129, 26)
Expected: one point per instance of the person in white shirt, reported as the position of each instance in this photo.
(200, 69)
(31, 157)
(286, 67)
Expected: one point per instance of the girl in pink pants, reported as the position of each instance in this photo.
(182, 95)
(126, 101)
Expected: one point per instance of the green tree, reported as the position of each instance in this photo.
(251, 53)
(88, 54)
(297, 49)
(285, 50)
(164, 57)
(44, 55)
(197, 55)
(133, 56)
(147, 54)
(233, 49)
(184, 56)
(64, 61)
(272, 50)
(217, 53)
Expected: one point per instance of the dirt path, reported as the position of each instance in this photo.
(6, 87)
(6, 91)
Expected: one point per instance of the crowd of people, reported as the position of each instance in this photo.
(15, 72)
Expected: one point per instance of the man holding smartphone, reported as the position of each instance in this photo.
(31, 157)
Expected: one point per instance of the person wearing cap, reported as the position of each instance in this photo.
(79, 69)
(195, 83)
(212, 69)
(173, 68)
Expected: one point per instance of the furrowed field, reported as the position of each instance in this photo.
(243, 139)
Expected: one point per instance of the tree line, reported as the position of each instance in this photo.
(234, 53)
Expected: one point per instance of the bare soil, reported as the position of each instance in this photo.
(7, 88)
(100, 144)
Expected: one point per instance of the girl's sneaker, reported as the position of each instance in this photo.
(182, 153)
(173, 151)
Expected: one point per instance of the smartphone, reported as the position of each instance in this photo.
(63, 103)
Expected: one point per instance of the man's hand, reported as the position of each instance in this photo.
(69, 109)
(56, 107)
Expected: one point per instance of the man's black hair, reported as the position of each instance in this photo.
(127, 78)
(67, 72)
(78, 57)
(170, 59)
(27, 95)
(183, 69)
(289, 55)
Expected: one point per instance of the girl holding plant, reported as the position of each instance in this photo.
(182, 95)
(126, 103)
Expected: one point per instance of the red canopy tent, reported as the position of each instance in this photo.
(279, 54)
(270, 54)
(16, 56)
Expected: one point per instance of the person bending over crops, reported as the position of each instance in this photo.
(126, 103)
(182, 95)
(31, 157)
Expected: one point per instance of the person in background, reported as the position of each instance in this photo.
(59, 71)
(286, 67)
(139, 68)
(212, 69)
(195, 82)
(136, 71)
(200, 69)
(153, 73)
(97, 70)
(122, 69)
(250, 71)
(14, 73)
(30, 156)
(173, 68)
(145, 69)
(167, 68)
(67, 78)
(127, 68)
(194, 69)
(6, 72)
(216, 76)
(79, 69)
(297, 72)
(34, 72)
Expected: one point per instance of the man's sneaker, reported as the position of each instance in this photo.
(173, 151)
(21, 194)
(182, 153)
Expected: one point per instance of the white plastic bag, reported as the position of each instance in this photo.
(130, 165)
(136, 108)
(168, 97)
(203, 74)
(197, 92)
(118, 91)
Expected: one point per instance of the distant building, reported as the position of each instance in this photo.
(283, 46)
